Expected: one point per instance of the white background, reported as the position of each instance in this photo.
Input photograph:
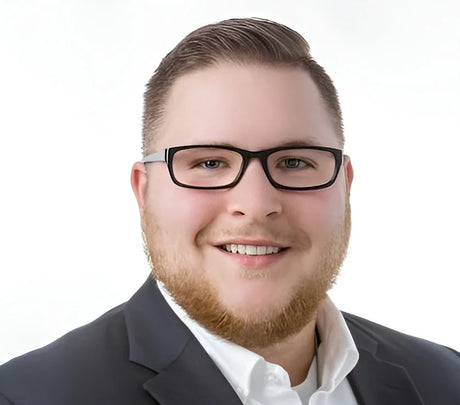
(72, 75)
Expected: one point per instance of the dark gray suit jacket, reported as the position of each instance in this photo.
(141, 353)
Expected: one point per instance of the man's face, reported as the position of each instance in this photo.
(254, 300)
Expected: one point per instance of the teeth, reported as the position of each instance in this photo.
(261, 250)
(251, 250)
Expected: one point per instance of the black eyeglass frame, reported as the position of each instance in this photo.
(167, 155)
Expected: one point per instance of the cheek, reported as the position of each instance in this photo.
(181, 212)
(320, 212)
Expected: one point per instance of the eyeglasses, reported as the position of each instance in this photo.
(218, 167)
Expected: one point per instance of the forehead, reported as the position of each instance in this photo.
(248, 106)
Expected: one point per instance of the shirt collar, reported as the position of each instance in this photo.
(337, 353)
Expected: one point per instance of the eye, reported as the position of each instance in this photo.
(293, 163)
(211, 164)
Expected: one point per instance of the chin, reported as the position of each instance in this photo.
(254, 302)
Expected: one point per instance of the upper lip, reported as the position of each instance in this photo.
(253, 242)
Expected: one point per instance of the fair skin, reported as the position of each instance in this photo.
(254, 108)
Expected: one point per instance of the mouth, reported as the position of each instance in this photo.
(251, 250)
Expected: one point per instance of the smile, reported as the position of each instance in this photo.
(251, 250)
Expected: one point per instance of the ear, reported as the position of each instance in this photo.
(139, 183)
(348, 168)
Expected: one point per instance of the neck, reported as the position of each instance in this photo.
(295, 354)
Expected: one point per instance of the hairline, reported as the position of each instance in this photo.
(154, 133)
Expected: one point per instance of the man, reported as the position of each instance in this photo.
(244, 199)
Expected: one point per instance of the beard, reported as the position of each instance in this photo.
(195, 293)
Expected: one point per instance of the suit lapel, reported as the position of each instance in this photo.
(158, 339)
(375, 380)
(192, 379)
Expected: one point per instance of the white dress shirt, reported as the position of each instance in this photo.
(259, 382)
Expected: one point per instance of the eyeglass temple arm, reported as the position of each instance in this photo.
(159, 156)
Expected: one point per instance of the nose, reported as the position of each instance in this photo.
(254, 196)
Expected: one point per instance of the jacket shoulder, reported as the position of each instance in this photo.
(434, 369)
(66, 370)
(397, 343)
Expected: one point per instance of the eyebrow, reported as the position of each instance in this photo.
(293, 143)
(307, 142)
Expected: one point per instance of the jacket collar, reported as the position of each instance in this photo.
(158, 340)
(375, 380)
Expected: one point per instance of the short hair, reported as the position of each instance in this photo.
(241, 41)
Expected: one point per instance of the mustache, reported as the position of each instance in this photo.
(254, 230)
